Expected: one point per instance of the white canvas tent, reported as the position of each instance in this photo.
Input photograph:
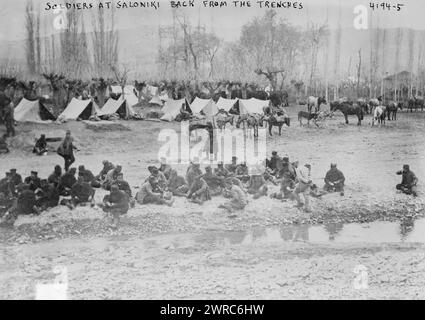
(120, 106)
(226, 104)
(156, 100)
(83, 109)
(206, 106)
(172, 108)
(129, 94)
(252, 105)
(32, 111)
(152, 91)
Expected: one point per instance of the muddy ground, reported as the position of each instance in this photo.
(368, 156)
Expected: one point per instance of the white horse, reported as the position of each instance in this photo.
(315, 102)
(379, 115)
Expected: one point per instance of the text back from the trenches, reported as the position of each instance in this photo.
(173, 4)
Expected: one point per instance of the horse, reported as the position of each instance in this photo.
(378, 115)
(250, 121)
(222, 118)
(308, 116)
(392, 108)
(315, 102)
(363, 104)
(415, 103)
(348, 109)
(372, 104)
(276, 121)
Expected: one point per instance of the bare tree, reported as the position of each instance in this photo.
(30, 25)
(359, 68)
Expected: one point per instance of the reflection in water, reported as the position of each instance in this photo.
(407, 230)
(333, 229)
(406, 227)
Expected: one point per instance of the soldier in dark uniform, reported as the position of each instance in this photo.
(47, 196)
(3, 145)
(40, 147)
(81, 193)
(408, 181)
(55, 177)
(334, 180)
(66, 182)
(33, 181)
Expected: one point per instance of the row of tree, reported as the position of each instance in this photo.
(71, 50)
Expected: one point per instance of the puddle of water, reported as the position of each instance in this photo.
(375, 232)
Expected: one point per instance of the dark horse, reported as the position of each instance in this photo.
(276, 121)
(348, 110)
(392, 109)
(416, 103)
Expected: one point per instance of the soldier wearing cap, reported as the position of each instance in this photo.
(275, 163)
(15, 178)
(221, 171)
(334, 180)
(215, 183)
(33, 181)
(408, 181)
(66, 150)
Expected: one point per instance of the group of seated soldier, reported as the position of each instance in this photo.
(285, 172)
(231, 181)
(33, 195)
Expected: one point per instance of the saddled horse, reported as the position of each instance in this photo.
(379, 115)
(315, 102)
(373, 103)
(348, 109)
(363, 104)
(275, 120)
(223, 118)
(249, 121)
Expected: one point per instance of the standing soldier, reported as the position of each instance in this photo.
(6, 104)
(303, 186)
(66, 150)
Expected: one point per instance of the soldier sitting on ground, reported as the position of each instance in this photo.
(47, 196)
(177, 185)
(215, 183)
(199, 191)
(33, 181)
(257, 186)
(408, 181)
(40, 147)
(238, 200)
(66, 182)
(334, 180)
(81, 194)
(150, 193)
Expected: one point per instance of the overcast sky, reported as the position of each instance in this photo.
(226, 22)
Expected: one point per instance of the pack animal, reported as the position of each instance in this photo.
(348, 109)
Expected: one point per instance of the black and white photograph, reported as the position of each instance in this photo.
(212, 150)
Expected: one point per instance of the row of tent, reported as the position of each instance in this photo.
(35, 111)
(209, 108)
